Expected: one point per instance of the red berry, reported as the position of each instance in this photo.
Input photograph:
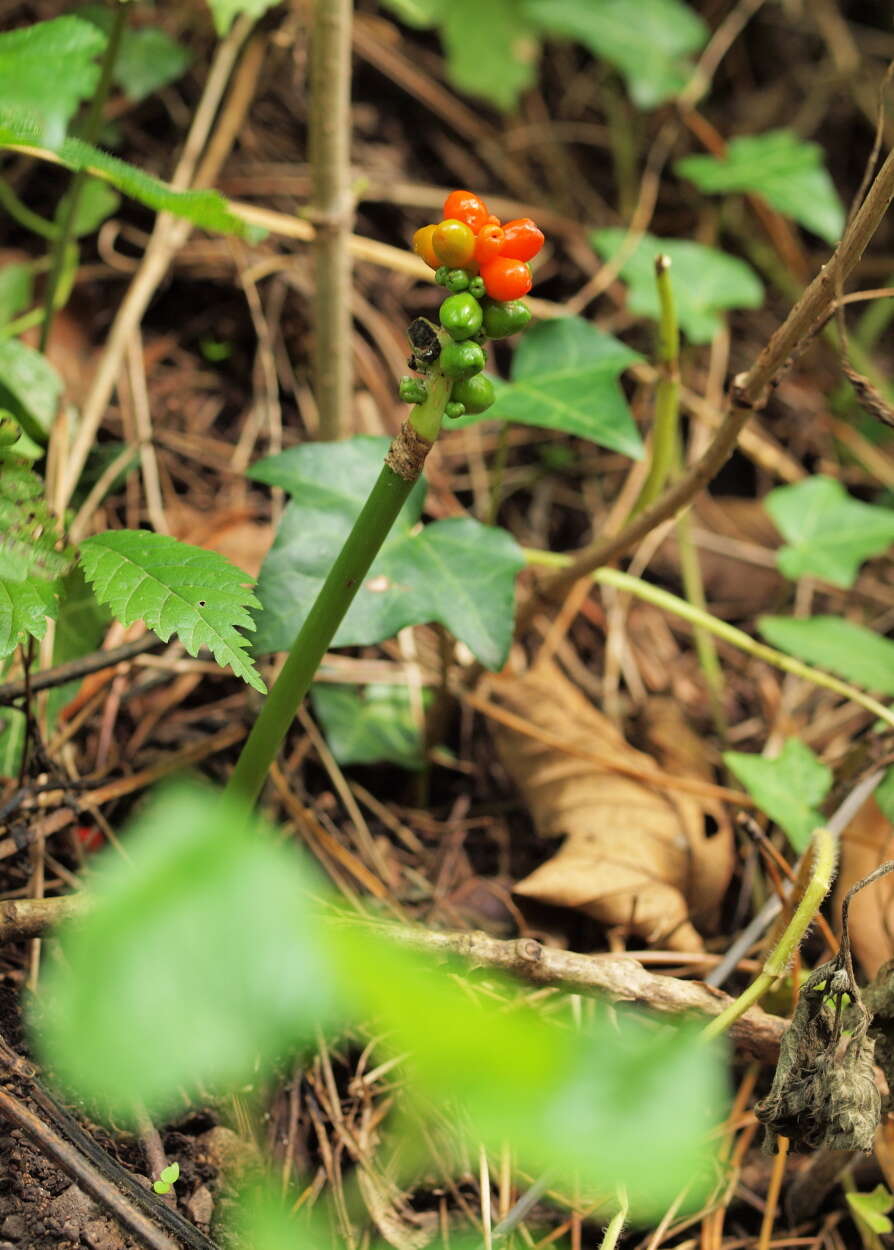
(522, 239)
(506, 278)
(468, 207)
(488, 244)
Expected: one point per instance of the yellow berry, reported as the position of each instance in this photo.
(454, 243)
(422, 246)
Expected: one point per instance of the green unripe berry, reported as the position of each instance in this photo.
(461, 315)
(457, 280)
(454, 410)
(411, 390)
(475, 394)
(477, 287)
(461, 360)
(503, 319)
(10, 430)
(441, 275)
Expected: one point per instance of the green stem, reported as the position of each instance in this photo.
(667, 396)
(824, 857)
(720, 629)
(24, 215)
(37, 316)
(65, 231)
(336, 595)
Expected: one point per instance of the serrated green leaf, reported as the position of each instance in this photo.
(872, 1209)
(636, 1117)
(788, 788)
(32, 557)
(175, 588)
(457, 571)
(851, 651)
(828, 534)
(564, 377)
(225, 12)
(29, 388)
(147, 59)
(47, 69)
(201, 955)
(16, 284)
(706, 282)
(207, 209)
(788, 172)
(370, 724)
(650, 47)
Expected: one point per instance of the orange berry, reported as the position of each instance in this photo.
(468, 207)
(488, 244)
(423, 246)
(454, 243)
(506, 278)
(523, 239)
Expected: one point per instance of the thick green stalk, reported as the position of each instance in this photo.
(91, 130)
(397, 478)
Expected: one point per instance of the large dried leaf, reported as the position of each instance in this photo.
(634, 854)
(866, 843)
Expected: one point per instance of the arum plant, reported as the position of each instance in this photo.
(483, 264)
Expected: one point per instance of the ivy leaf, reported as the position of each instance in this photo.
(788, 788)
(858, 654)
(369, 725)
(47, 69)
(174, 588)
(828, 533)
(225, 12)
(788, 172)
(80, 627)
(706, 282)
(564, 376)
(207, 209)
(147, 59)
(206, 920)
(872, 1209)
(651, 50)
(457, 571)
(490, 48)
(29, 388)
(16, 284)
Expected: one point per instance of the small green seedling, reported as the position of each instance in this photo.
(169, 1177)
(873, 1208)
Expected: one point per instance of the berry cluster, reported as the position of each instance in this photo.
(484, 264)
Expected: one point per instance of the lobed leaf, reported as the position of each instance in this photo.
(370, 724)
(564, 376)
(706, 282)
(851, 651)
(788, 788)
(147, 59)
(788, 172)
(456, 571)
(828, 534)
(175, 588)
(652, 51)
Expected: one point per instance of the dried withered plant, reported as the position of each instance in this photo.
(824, 1093)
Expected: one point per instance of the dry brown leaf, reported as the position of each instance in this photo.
(866, 843)
(634, 855)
